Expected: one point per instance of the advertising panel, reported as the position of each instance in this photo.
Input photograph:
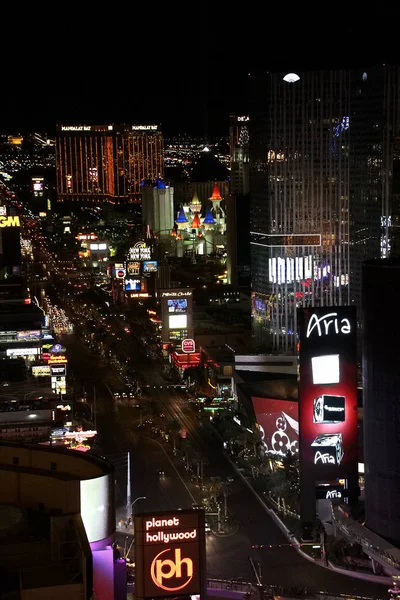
(22, 351)
(132, 285)
(170, 554)
(188, 346)
(97, 507)
(278, 423)
(177, 322)
(178, 305)
(139, 252)
(133, 267)
(150, 266)
(25, 336)
(58, 370)
(120, 273)
(41, 371)
(327, 399)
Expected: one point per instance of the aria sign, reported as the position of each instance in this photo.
(170, 553)
(327, 324)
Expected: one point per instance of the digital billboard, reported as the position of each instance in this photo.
(133, 267)
(177, 305)
(132, 285)
(150, 266)
(170, 554)
(278, 423)
(327, 400)
(177, 321)
(97, 507)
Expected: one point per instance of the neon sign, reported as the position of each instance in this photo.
(175, 294)
(170, 554)
(76, 127)
(144, 127)
(9, 222)
(158, 574)
(333, 494)
(324, 458)
(316, 322)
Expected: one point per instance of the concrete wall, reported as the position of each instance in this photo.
(61, 592)
(32, 490)
(42, 458)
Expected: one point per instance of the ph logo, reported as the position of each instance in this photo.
(167, 568)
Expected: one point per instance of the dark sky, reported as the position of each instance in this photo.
(187, 71)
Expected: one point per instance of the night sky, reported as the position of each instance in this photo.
(187, 73)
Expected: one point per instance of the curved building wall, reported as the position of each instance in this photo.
(63, 480)
(381, 382)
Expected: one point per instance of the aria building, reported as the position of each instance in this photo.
(107, 163)
(322, 146)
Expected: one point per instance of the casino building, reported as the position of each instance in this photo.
(107, 163)
(57, 519)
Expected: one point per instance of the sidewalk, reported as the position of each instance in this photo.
(293, 540)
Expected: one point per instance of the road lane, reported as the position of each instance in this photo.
(226, 557)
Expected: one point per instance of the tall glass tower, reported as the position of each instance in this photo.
(321, 149)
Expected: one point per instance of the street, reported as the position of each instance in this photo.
(226, 557)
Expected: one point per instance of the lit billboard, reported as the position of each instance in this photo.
(278, 423)
(177, 322)
(177, 305)
(176, 315)
(132, 285)
(150, 266)
(133, 267)
(170, 554)
(97, 507)
(327, 400)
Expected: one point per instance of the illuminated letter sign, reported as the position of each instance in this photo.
(188, 346)
(175, 294)
(327, 405)
(330, 494)
(170, 554)
(326, 324)
(167, 568)
(76, 128)
(9, 222)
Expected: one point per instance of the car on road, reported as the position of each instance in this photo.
(161, 472)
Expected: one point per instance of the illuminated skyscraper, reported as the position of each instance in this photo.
(239, 153)
(98, 163)
(321, 163)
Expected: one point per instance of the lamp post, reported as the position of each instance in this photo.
(134, 502)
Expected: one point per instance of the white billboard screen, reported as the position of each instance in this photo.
(177, 321)
(97, 507)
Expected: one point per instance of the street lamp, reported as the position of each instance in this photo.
(134, 502)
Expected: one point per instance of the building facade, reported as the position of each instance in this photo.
(107, 163)
(239, 154)
(381, 384)
(322, 147)
(158, 208)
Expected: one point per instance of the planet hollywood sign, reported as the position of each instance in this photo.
(168, 536)
(170, 554)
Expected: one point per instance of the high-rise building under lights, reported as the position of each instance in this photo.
(322, 148)
(98, 163)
